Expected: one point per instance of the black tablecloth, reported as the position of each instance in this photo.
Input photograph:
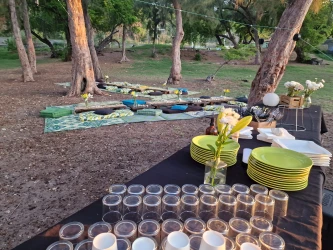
(301, 228)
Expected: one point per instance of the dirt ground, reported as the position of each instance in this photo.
(47, 177)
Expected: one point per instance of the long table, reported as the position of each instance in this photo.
(301, 228)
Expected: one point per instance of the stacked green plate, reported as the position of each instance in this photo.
(279, 168)
(201, 153)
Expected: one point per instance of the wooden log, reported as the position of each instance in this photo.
(80, 109)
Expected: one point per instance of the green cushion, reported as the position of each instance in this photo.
(151, 112)
(54, 112)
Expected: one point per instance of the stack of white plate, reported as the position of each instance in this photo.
(319, 155)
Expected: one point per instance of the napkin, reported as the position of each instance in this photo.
(246, 133)
(268, 134)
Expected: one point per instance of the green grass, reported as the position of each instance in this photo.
(10, 60)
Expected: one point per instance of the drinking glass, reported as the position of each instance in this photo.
(258, 189)
(206, 189)
(194, 226)
(281, 202)
(178, 241)
(118, 189)
(136, 189)
(154, 189)
(105, 241)
(151, 207)
(229, 243)
(195, 241)
(260, 225)
(237, 226)
(227, 207)
(172, 189)
(212, 240)
(98, 228)
(111, 202)
(218, 225)
(189, 207)
(207, 207)
(72, 232)
(150, 228)
(271, 241)
(244, 206)
(83, 245)
(190, 189)
(249, 246)
(245, 238)
(170, 207)
(126, 229)
(146, 243)
(264, 206)
(132, 208)
(240, 189)
(170, 226)
(223, 189)
(61, 244)
(123, 244)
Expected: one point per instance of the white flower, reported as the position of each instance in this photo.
(321, 85)
(323, 80)
(232, 121)
(90, 96)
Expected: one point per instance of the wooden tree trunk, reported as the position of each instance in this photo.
(46, 41)
(274, 63)
(106, 41)
(69, 52)
(91, 44)
(27, 29)
(300, 55)
(123, 51)
(175, 73)
(258, 52)
(83, 79)
(27, 72)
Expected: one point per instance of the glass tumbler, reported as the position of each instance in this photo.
(98, 228)
(264, 206)
(136, 189)
(260, 225)
(229, 243)
(83, 245)
(61, 244)
(258, 189)
(112, 208)
(190, 189)
(154, 189)
(132, 208)
(245, 238)
(126, 229)
(227, 207)
(172, 189)
(189, 207)
(223, 189)
(170, 226)
(151, 207)
(150, 228)
(170, 207)
(218, 225)
(123, 244)
(207, 207)
(271, 241)
(206, 189)
(240, 189)
(281, 202)
(244, 206)
(195, 241)
(118, 189)
(194, 226)
(237, 226)
(72, 232)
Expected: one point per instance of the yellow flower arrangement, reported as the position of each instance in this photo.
(86, 97)
(226, 91)
(178, 92)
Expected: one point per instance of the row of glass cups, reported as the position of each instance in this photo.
(199, 202)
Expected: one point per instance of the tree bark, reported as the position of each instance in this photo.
(27, 72)
(83, 79)
(106, 41)
(175, 72)
(276, 58)
(91, 44)
(27, 29)
(219, 40)
(123, 51)
(300, 55)
(69, 52)
(258, 52)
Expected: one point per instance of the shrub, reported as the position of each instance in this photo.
(11, 45)
(197, 57)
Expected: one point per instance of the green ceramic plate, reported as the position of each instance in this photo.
(202, 140)
(203, 160)
(266, 168)
(281, 158)
(275, 186)
(278, 178)
(230, 156)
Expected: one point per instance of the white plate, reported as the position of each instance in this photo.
(305, 147)
(267, 132)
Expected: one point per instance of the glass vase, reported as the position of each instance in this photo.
(135, 104)
(86, 103)
(307, 102)
(215, 172)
